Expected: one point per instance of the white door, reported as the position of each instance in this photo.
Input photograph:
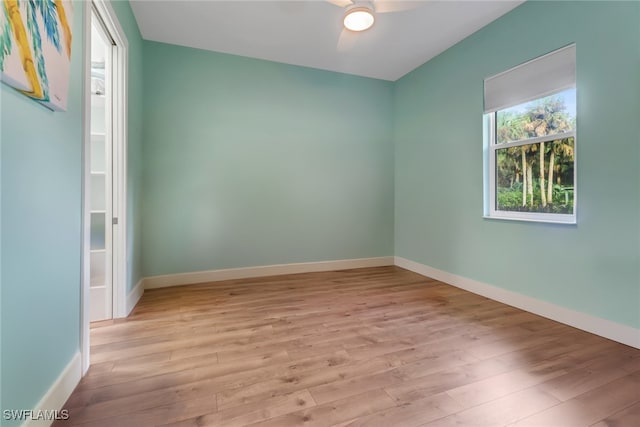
(101, 188)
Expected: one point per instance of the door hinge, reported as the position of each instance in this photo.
(114, 221)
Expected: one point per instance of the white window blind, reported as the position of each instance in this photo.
(534, 79)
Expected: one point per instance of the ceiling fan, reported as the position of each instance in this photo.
(360, 15)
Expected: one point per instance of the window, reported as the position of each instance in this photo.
(530, 130)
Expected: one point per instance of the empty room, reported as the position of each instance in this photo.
(319, 213)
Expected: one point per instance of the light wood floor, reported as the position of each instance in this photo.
(367, 347)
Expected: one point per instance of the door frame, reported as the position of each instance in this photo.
(119, 102)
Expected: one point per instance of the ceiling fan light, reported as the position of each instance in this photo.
(358, 19)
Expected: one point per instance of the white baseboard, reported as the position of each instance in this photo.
(134, 296)
(261, 271)
(596, 325)
(59, 392)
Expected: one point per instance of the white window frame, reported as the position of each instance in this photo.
(490, 122)
(533, 80)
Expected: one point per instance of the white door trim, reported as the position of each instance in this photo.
(86, 197)
(119, 125)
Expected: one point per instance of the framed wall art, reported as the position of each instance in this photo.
(35, 49)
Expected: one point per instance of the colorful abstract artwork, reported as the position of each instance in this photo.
(35, 49)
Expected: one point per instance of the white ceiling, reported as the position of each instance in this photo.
(310, 33)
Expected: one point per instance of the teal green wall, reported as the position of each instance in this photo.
(134, 147)
(592, 267)
(249, 162)
(41, 217)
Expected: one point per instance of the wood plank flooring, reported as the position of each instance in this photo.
(366, 347)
